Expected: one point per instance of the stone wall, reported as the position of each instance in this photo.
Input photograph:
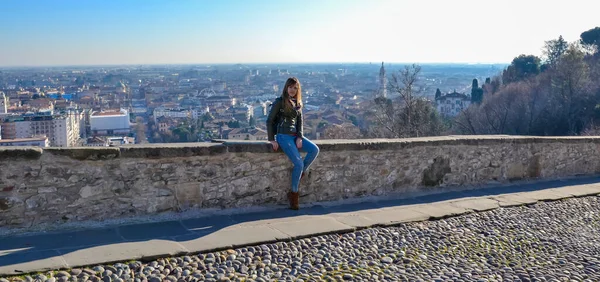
(56, 185)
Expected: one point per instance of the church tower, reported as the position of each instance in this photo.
(382, 91)
(3, 103)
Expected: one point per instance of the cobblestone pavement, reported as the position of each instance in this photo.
(548, 241)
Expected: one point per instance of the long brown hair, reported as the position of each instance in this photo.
(287, 104)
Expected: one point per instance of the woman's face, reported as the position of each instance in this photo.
(293, 90)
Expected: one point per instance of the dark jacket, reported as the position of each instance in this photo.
(288, 122)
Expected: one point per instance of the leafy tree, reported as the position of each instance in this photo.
(79, 81)
(182, 133)
(476, 92)
(521, 68)
(354, 120)
(591, 38)
(438, 93)
(234, 124)
(207, 117)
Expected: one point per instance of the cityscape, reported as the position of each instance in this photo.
(118, 105)
(299, 140)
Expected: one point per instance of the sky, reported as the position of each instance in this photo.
(114, 32)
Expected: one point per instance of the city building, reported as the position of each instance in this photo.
(220, 101)
(452, 104)
(110, 122)
(382, 79)
(117, 141)
(242, 112)
(120, 87)
(62, 130)
(247, 134)
(163, 124)
(174, 113)
(3, 103)
(111, 141)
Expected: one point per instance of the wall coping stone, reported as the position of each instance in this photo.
(86, 153)
(170, 150)
(20, 152)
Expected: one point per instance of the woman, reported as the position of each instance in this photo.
(286, 118)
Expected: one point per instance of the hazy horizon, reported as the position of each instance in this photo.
(162, 32)
(250, 64)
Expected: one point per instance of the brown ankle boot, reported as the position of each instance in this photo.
(294, 199)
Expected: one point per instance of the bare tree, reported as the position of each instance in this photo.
(571, 89)
(341, 131)
(554, 49)
(507, 112)
(410, 115)
(467, 122)
(140, 130)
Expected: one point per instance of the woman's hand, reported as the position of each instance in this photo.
(298, 143)
(275, 145)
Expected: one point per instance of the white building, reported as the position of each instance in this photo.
(110, 122)
(67, 130)
(3, 103)
(174, 113)
(247, 134)
(62, 130)
(452, 104)
(220, 101)
(118, 140)
(36, 142)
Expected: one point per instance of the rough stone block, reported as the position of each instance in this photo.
(311, 227)
(394, 216)
(87, 154)
(104, 254)
(17, 153)
(152, 151)
(476, 204)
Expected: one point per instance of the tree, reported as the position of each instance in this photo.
(571, 91)
(140, 130)
(476, 92)
(341, 131)
(252, 121)
(491, 86)
(521, 68)
(502, 113)
(182, 132)
(207, 117)
(591, 38)
(234, 124)
(411, 115)
(438, 93)
(79, 81)
(554, 49)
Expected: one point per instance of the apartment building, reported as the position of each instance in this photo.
(62, 130)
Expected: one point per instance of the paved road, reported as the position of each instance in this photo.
(70, 249)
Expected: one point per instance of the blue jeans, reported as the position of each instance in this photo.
(288, 145)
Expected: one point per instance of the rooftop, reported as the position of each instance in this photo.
(23, 139)
(109, 113)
